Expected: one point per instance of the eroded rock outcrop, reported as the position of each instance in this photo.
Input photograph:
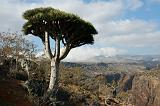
(141, 88)
(146, 89)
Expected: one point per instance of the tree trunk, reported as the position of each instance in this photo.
(53, 84)
(55, 67)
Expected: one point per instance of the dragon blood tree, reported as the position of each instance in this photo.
(67, 30)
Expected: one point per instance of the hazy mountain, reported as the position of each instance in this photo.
(124, 59)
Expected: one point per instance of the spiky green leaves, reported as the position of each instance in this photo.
(71, 28)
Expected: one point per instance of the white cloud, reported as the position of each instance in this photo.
(84, 53)
(134, 4)
(137, 40)
(94, 12)
(128, 26)
(103, 14)
(98, 12)
(11, 14)
(127, 32)
(11, 10)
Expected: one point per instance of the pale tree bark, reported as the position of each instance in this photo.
(48, 51)
(53, 84)
(55, 60)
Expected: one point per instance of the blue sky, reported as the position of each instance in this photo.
(124, 26)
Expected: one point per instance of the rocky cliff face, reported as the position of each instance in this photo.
(123, 79)
(146, 89)
(142, 88)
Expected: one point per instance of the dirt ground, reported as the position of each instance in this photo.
(13, 94)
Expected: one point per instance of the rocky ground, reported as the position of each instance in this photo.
(80, 88)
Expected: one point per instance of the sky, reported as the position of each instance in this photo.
(129, 27)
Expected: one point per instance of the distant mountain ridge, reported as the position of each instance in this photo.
(123, 59)
(125, 63)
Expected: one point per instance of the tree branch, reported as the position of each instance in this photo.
(48, 51)
(57, 47)
(64, 52)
